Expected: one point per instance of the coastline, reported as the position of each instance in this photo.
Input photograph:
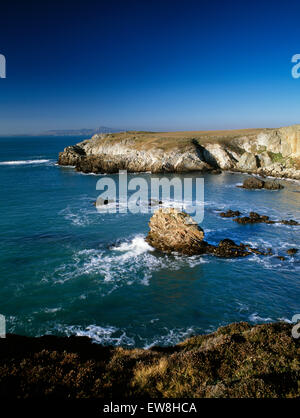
(267, 152)
(237, 360)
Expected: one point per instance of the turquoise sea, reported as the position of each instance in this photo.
(66, 269)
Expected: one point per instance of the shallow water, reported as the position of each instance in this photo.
(65, 268)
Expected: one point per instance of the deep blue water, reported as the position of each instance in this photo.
(65, 268)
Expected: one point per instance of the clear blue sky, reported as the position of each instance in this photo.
(153, 65)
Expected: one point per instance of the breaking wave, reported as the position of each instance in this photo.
(25, 162)
(130, 261)
(111, 335)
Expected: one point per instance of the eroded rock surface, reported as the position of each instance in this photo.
(256, 183)
(269, 152)
(255, 218)
(171, 230)
(230, 214)
(175, 231)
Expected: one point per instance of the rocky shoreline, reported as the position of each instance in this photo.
(237, 361)
(172, 231)
(266, 152)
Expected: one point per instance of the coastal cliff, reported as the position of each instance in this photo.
(238, 360)
(273, 152)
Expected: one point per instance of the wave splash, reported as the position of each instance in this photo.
(111, 335)
(24, 162)
(132, 261)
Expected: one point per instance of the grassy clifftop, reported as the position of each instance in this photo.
(272, 152)
(238, 360)
(144, 140)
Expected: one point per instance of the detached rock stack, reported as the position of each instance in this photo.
(171, 230)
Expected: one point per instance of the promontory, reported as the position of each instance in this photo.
(273, 152)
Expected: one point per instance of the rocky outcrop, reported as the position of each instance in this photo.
(238, 360)
(256, 183)
(271, 152)
(252, 183)
(273, 185)
(218, 156)
(230, 214)
(109, 154)
(255, 218)
(292, 251)
(247, 162)
(171, 230)
(175, 231)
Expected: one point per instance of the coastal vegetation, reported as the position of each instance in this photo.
(272, 152)
(236, 361)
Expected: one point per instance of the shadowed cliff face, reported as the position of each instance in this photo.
(274, 152)
(238, 360)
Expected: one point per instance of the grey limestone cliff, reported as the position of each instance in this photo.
(274, 152)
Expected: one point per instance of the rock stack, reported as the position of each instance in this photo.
(172, 230)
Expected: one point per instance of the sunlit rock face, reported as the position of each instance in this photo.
(273, 152)
(172, 230)
(285, 141)
(175, 231)
(291, 140)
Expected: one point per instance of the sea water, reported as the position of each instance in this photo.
(67, 269)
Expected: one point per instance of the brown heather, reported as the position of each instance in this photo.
(238, 360)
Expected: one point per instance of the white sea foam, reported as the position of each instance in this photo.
(79, 217)
(24, 162)
(132, 261)
(102, 335)
(111, 335)
(283, 319)
(52, 310)
(172, 337)
(256, 318)
(133, 248)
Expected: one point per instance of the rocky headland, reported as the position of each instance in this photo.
(237, 361)
(266, 152)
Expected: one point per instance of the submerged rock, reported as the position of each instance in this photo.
(230, 213)
(292, 251)
(281, 258)
(254, 218)
(289, 222)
